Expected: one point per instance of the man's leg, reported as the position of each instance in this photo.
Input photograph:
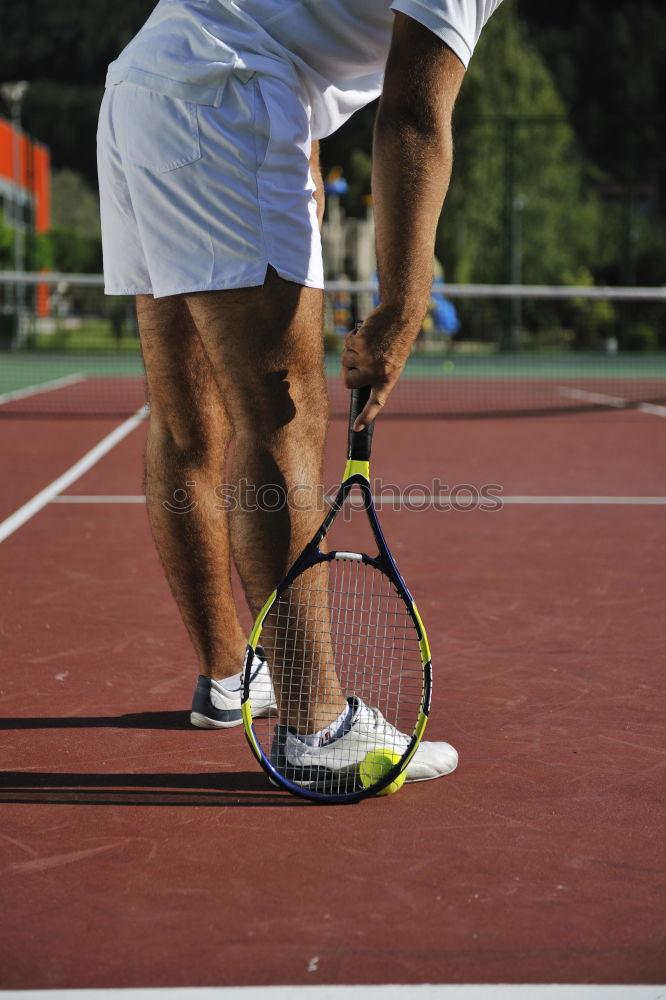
(264, 346)
(188, 438)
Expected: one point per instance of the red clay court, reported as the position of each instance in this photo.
(140, 852)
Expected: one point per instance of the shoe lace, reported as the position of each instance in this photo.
(380, 723)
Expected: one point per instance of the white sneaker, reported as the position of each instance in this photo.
(216, 704)
(310, 766)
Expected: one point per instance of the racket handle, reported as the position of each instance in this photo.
(360, 442)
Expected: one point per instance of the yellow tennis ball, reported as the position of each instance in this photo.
(375, 765)
(448, 366)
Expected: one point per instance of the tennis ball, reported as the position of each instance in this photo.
(448, 366)
(375, 765)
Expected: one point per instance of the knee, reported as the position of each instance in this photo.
(187, 436)
(284, 402)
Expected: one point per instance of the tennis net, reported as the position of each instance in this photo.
(66, 350)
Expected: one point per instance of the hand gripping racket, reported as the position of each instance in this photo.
(340, 631)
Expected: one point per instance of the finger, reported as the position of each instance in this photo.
(355, 373)
(371, 410)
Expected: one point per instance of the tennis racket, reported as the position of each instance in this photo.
(341, 631)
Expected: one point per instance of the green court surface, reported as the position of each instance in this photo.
(540, 366)
(22, 370)
(42, 382)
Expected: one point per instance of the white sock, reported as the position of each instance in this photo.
(333, 732)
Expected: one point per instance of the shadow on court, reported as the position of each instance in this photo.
(246, 788)
(130, 720)
(239, 788)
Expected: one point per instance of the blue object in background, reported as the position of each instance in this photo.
(444, 316)
(335, 183)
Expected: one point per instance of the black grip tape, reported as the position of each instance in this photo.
(360, 442)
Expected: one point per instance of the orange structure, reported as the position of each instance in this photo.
(29, 188)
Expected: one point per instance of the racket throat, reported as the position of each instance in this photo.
(357, 467)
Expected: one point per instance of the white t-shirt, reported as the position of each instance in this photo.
(332, 51)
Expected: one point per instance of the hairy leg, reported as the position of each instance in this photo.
(266, 349)
(270, 370)
(188, 437)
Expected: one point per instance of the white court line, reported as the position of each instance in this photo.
(45, 496)
(593, 397)
(656, 411)
(501, 991)
(76, 498)
(602, 500)
(35, 390)
(417, 499)
(615, 401)
(496, 500)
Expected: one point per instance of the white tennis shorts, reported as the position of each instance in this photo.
(195, 198)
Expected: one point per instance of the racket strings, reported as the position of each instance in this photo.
(341, 627)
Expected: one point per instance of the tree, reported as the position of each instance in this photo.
(519, 206)
(64, 55)
(74, 204)
(6, 244)
(608, 60)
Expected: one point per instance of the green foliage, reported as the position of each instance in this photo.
(64, 53)
(597, 66)
(64, 117)
(6, 244)
(74, 204)
(518, 207)
(73, 252)
(593, 320)
(36, 248)
(97, 336)
(74, 243)
(39, 256)
(608, 60)
(74, 248)
(640, 337)
(74, 47)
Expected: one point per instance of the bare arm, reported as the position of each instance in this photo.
(412, 157)
(315, 170)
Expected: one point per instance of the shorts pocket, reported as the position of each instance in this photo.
(161, 133)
